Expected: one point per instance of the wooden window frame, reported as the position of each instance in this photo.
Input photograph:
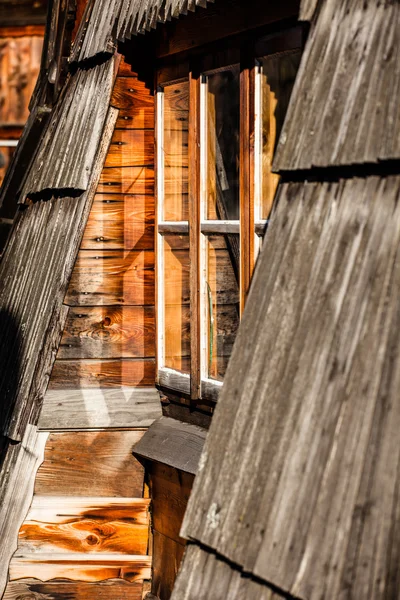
(196, 385)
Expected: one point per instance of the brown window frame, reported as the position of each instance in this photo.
(250, 226)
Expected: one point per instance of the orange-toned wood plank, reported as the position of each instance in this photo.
(131, 148)
(79, 567)
(22, 31)
(112, 277)
(120, 222)
(127, 180)
(167, 556)
(91, 463)
(109, 332)
(77, 374)
(33, 589)
(94, 525)
(135, 102)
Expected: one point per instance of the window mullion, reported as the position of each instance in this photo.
(194, 233)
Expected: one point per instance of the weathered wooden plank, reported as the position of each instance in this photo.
(112, 277)
(173, 443)
(58, 525)
(91, 464)
(94, 408)
(17, 481)
(120, 222)
(34, 589)
(170, 490)
(127, 180)
(109, 332)
(107, 373)
(81, 567)
(166, 561)
(135, 103)
(131, 148)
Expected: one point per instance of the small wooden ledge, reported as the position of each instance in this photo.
(100, 408)
(172, 443)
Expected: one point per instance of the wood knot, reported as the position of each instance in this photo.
(106, 322)
(92, 540)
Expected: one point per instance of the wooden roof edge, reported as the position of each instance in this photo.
(173, 443)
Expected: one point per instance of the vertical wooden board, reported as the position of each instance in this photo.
(127, 180)
(135, 103)
(59, 525)
(167, 557)
(78, 374)
(91, 464)
(131, 148)
(170, 491)
(120, 222)
(112, 277)
(33, 589)
(109, 332)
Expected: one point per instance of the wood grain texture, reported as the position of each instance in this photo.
(81, 567)
(167, 558)
(300, 475)
(120, 222)
(58, 525)
(112, 277)
(94, 408)
(17, 482)
(173, 443)
(91, 464)
(100, 374)
(135, 103)
(170, 490)
(108, 332)
(131, 148)
(127, 180)
(33, 589)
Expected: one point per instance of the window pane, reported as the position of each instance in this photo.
(175, 151)
(222, 301)
(277, 78)
(176, 303)
(222, 131)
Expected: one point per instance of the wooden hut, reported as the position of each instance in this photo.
(143, 185)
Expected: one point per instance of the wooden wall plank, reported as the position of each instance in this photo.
(94, 408)
(91, 464)
(81, 567)
(166, 561)
(170, 491)
(131, 148)
(109, 332)
(107, 373)
(127, 180)
(120, 222)
(59, 525)
(112, 277)
(135, 103)
(33, 589)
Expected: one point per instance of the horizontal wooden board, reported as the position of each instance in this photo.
(81, 567)
(112, 277)
(91, 464)
(174, 443)
(94, 408)
(33, 589)
(92, 525)
(131, 148)
(109, 332)
(127, 180)
(167, 559)
(123, 222)
(99, 374)
(135, 103)
(170, 491)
